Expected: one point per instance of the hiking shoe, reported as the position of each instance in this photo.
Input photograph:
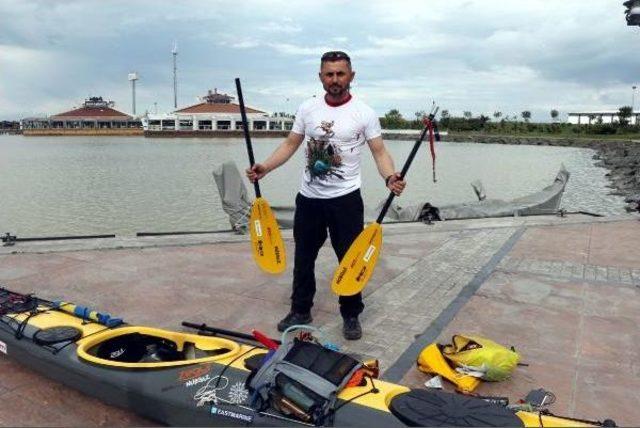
(294, 318)
(351, 328)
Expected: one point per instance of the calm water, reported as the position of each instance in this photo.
(84, 185)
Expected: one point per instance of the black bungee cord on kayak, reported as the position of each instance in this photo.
(231, 362)
(15, 303)
(71, 341)
(373, 390)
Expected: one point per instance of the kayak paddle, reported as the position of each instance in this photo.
(266, 241)
(358, 263)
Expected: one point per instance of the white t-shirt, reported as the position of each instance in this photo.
(334, 138)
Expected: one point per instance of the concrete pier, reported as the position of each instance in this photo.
(565, 292)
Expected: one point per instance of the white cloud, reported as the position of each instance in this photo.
(245, 44)
(478, 55)
(292, 49)
(280, 27)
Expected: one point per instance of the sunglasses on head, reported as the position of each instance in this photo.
(335, 56)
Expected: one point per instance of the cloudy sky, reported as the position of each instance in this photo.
(476, 55)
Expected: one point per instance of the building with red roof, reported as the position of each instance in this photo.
(216, 112)
(94, 114)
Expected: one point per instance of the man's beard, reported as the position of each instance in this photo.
(337, 90)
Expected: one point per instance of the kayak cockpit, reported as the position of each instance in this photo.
(147, 348)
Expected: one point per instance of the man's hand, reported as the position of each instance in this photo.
(256, 172)
(396, 184)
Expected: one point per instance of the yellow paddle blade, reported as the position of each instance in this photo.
(266, 241)
(357, 265)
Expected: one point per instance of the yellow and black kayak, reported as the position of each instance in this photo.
(186, 379)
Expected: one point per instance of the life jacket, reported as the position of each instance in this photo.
(432, 361)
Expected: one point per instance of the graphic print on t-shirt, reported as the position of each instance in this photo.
(323, 159)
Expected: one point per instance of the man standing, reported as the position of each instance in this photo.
(336, 127)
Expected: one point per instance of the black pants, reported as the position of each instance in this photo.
(344, 217)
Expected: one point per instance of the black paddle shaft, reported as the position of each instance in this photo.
(247, 137)
(405, 168)
(215, 330)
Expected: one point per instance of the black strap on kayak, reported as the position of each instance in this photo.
(373, 390)
(53, 335)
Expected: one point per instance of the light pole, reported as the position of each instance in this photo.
(174, 52)
(132, 78)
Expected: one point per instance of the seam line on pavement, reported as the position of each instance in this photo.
(408, 358)
(595, 282)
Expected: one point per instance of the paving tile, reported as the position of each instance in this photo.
(543, 371)
(16, 266)
(601, 273)
(607, 338)
(18, 411)
(607, 390)
(613, 274)
(14, 375)
(590, 273)
(625, 276)
(615, 244)
(578, 271)
(530, 289)
(612, 301)
(566, 243)
(69, 407)
(33, 400)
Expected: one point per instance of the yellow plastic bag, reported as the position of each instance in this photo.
(481, 357)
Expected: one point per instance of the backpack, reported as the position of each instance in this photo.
(301, 380)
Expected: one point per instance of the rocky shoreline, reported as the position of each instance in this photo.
(620, 157)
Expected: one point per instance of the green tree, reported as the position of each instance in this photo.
(526, 115)
(554, 114)
(624, 114)
(393, 119)
(467, 115)
(497, 114)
